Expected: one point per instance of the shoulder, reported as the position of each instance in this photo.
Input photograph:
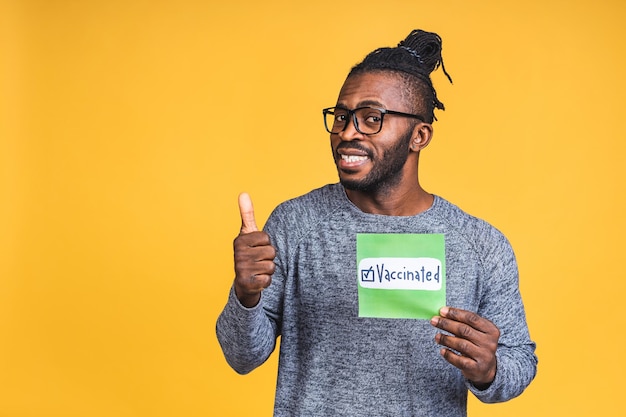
(477, 232)
(306, 211)
(315, 203)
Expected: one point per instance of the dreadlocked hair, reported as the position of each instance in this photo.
(413, 59)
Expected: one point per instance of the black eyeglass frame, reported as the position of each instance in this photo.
(352, 115)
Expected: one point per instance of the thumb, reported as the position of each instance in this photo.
(248, 224)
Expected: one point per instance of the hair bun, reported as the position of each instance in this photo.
(426, 47)
(418, 55)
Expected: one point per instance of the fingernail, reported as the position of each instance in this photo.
(434, 321)
(444, 311)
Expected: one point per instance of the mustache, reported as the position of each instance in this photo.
(353, 145)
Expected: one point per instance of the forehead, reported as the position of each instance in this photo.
(382, 89)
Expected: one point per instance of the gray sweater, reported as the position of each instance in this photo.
(334, 363)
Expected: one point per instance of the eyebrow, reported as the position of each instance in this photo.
(364, 103)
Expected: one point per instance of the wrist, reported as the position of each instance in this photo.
(481, 386)
(248, 300)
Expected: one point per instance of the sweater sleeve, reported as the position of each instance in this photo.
(248, 335)
(501, 303)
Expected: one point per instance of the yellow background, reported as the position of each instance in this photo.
(128, 128)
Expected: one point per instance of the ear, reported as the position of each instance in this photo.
(422, 134)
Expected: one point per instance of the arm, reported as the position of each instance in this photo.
(247, 334)
(492, 347)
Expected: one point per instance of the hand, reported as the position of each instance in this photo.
(474, 338)
(254, 257)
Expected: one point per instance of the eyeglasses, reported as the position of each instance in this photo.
(367, 120)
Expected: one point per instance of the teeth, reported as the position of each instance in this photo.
(353, 158)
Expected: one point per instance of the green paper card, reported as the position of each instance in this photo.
(401, 275)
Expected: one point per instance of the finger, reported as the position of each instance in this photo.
(467, 366)
(480, 371)
(252, 283)
(463, 346)
(464, 339)
(245, 270)
(248, 224)
(458, 329)
(460, 361)
(469, 318)
(260, 254)
(248, 291)
(259, 282)
(254, 254)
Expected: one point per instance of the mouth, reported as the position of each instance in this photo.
(353, 159)
(351, 156)
(350, 160)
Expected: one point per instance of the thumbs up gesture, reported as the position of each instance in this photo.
(254, 257)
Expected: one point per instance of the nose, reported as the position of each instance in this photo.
(350, 132)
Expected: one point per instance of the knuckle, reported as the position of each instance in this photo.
(256, 282)
(497, 333)
(252, 278)
(266, 253)
(446, 354)
(239, 253)
(267, 281)
(473, 318)
(451, 356)
(259, 282)
(261, 238)
(242, 260)
(452, 313)
(472, 368)
(442, 323)
(465, 331)
(462, 346)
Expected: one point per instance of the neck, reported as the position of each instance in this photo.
(407, 201)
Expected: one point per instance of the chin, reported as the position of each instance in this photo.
(356, 185)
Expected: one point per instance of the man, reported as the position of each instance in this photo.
(343, 353)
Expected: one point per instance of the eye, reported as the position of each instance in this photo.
(340, 115)
(373, 118)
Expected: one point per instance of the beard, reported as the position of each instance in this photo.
(386, 170)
